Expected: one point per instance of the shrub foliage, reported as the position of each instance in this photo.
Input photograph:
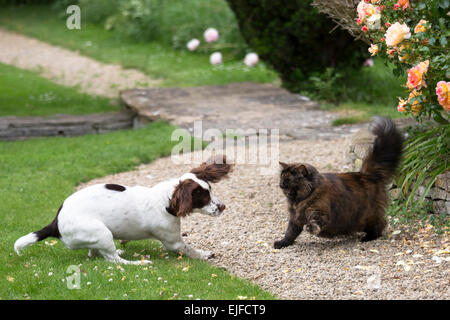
(295, 39)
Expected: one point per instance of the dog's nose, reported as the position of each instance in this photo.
(221, 207)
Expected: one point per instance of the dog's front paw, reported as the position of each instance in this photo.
(281, 244)
(206, 255)
(313, 228)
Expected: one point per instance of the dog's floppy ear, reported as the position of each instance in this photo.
(213, 170)
(181, 201)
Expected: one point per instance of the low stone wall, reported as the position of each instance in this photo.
(16, 128)
(439, 194)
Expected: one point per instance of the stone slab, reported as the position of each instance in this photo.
(16, 128)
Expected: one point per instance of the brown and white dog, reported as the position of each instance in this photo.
(94, 216)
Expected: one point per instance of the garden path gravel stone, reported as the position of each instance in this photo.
(68, 67)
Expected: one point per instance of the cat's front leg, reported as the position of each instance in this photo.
(292, 232)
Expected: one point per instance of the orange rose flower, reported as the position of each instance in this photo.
(420, 26)
(416, 76)
(443, 95)
(416, 106)
(401, 105)
(404, 4)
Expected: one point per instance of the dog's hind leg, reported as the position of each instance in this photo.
(95, 236)
(93, 253)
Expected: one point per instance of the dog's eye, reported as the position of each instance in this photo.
(198, 191)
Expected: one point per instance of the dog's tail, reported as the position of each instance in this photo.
(50, 230)
(384, 157)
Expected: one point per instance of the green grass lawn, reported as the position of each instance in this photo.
(179, 68)
(37, 175)
(25, 93)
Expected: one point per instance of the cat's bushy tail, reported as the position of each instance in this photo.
(384, 157)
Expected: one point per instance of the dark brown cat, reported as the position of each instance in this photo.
(329, 204)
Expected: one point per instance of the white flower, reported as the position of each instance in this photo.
(396, 34)
(374, 21)
(215, 58)
(193, 44)
(211, 35)
(251, 59)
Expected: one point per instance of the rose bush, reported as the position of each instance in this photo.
(414, 36)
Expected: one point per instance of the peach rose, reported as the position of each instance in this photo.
(401, 105)
(415, 106)
(373, 49)
(443, 95)
(396, 34)
(416, 76)
(420, 26)
(404, 4)
(365, 10)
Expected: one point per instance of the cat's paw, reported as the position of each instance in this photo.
(313, 228)
(281, 244)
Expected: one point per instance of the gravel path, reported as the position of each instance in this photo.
(398, 266)
(69, 67)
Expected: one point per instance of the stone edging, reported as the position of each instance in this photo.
(17, 128)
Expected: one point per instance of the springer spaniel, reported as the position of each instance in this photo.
(96, 215)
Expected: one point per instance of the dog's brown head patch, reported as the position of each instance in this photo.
(187, 196)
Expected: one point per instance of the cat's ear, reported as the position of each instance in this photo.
(283, 165)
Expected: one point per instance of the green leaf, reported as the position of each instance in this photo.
(421, 6)
(443, 41)
(444, 4)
